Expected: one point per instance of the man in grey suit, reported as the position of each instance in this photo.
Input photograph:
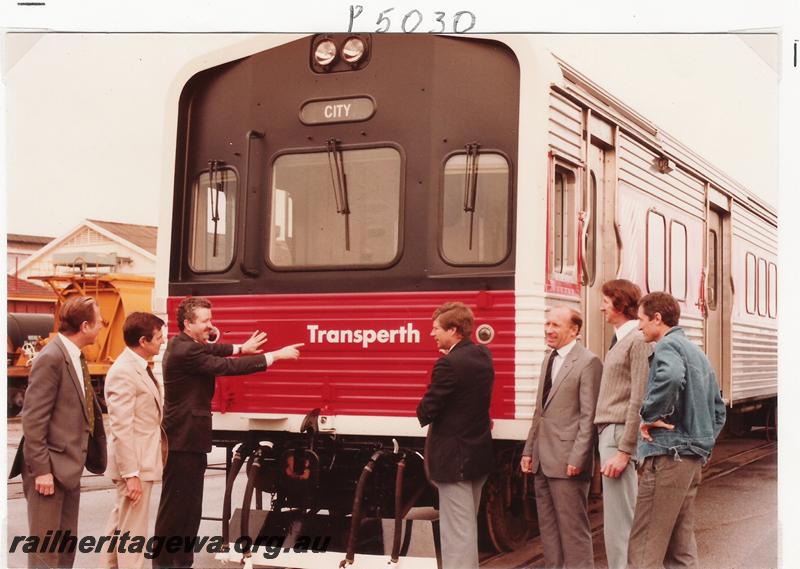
(63, 430)
(560, 447)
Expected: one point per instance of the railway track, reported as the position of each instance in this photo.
(532, 554)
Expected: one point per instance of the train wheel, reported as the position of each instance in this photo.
(16, 396)
(508, 525)
(771, 429)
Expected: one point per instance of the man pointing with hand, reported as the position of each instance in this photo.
(190, 367)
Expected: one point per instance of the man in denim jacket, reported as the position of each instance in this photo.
(682, 414)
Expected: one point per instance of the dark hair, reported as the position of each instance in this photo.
(187, 308)
(138, 325)
(624, 296)
(455, 315)
(664, 304)
(74, 312)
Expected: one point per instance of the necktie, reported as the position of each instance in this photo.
(613, 341)
(548, 377)
(88, 392)
(150, 373)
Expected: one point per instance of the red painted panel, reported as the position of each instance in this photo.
(365, 354)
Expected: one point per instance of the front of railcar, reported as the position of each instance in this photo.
(334, 190)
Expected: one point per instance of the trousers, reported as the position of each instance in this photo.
(132, 518)
(180, 507)
(562, 506)
(59, 511)
(459, 503)
(663, 524)
(619, 500)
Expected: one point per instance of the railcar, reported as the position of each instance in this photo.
(335, 189)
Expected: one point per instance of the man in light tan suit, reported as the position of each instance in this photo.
(560, 447)
(136, 441)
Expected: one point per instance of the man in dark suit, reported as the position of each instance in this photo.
(63, 431)
(190, 367)
(458, 449)
(560, 446)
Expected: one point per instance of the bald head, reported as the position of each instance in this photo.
(563, 324)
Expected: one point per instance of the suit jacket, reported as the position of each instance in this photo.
(136, 441)
(55, 422)
(563, 430)
(190, 370)
(456, 406)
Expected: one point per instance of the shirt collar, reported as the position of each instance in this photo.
(73, 350)
(137, 358)
(626, 329)
(564, 350)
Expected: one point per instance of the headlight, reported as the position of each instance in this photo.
(325, 52)
(353, 50)
(484, 334)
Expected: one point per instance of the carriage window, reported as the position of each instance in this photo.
(772, 280)
(750, 283)
(656, 247)
(677, 260)
(562, 238)
(213, 220)
(475, 210)
(335, 208)
(712, 270)
(762, 287)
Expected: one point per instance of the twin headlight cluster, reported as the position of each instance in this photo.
(327, 52)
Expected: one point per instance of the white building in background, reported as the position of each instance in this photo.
(20, 247)
(96, 245)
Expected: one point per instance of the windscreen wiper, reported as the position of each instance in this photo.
(471, 185)
(339, 183)
(217, 188)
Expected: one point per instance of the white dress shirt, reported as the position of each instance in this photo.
(562, 352)
(626, 329)
(237, 349)
(75, 357)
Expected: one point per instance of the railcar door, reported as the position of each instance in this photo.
(717, 286)
(596, 228)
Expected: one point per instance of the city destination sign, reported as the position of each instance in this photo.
(337, 110)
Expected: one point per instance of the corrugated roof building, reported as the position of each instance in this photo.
(105, 246)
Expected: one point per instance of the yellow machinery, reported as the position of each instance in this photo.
(117, 295)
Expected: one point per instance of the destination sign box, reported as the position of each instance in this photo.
(337, 110)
